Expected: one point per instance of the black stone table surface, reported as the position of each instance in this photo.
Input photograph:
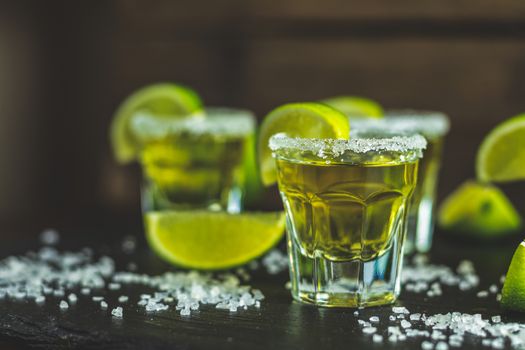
(279, 323)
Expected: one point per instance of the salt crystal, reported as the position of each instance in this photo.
(498, 343)
(482, 294)
(405, 324)
(103, 305)
(96, 299)
(58, 292)
(400, 310)
(392, 318)
(63, 305)
(374, 319)
(493, 289)
(369, 330)
(356, 313)
(40, 299)
(185, 312)
(392, 339)
(128, 244)
(72, 298)
(117, 312)
(441, 346)
(85, 291)
(415, 317)
(496, 319)
(498, 297)
(123, 299)
(377, 338)
(114, 286)
(426, 345)
(275, 262)
(49, 237)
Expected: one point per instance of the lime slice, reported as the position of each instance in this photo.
(164, 99)
(309, 119)
(502, 154)
(513, 293)
(354, 106)
(480, 210)
(212, 240)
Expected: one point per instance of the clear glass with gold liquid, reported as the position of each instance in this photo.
(346, 203)
(194, 163)
(433, 126)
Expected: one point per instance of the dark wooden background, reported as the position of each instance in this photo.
(65, 65)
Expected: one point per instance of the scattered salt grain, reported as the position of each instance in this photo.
(103, 305)
(369, 330)
(405, 324)
(496, 319)
(374, 319)
(185, 312)
(40, 299)
(72, 298)
(441, 346)
(426, 345)
(123, 299)
(96, 299)
(129, 244)
(117, 312)
(63, 305)
(114, 286)
(275, 262)
(493, 289)
(85, 291)
(59, 293)
(377, 338)
(49, 237)
(400, 310)
(482, 294)
(415, 317)
(356, 313)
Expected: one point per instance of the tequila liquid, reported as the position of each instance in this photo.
(190, 172)
(346, 226)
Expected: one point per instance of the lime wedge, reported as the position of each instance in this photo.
(164, 99)
(307, 119)
(212, 240)
(502, 154)
(354, 106)
(480, 210)
(513, 293)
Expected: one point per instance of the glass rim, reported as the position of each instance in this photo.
(212, 121)
(426, 122)
(332, 148)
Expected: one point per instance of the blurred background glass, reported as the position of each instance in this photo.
(65, 66)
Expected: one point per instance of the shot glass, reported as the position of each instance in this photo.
(194, 163)
(346, 203)
(433, 126)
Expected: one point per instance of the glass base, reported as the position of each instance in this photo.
(351, 284)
